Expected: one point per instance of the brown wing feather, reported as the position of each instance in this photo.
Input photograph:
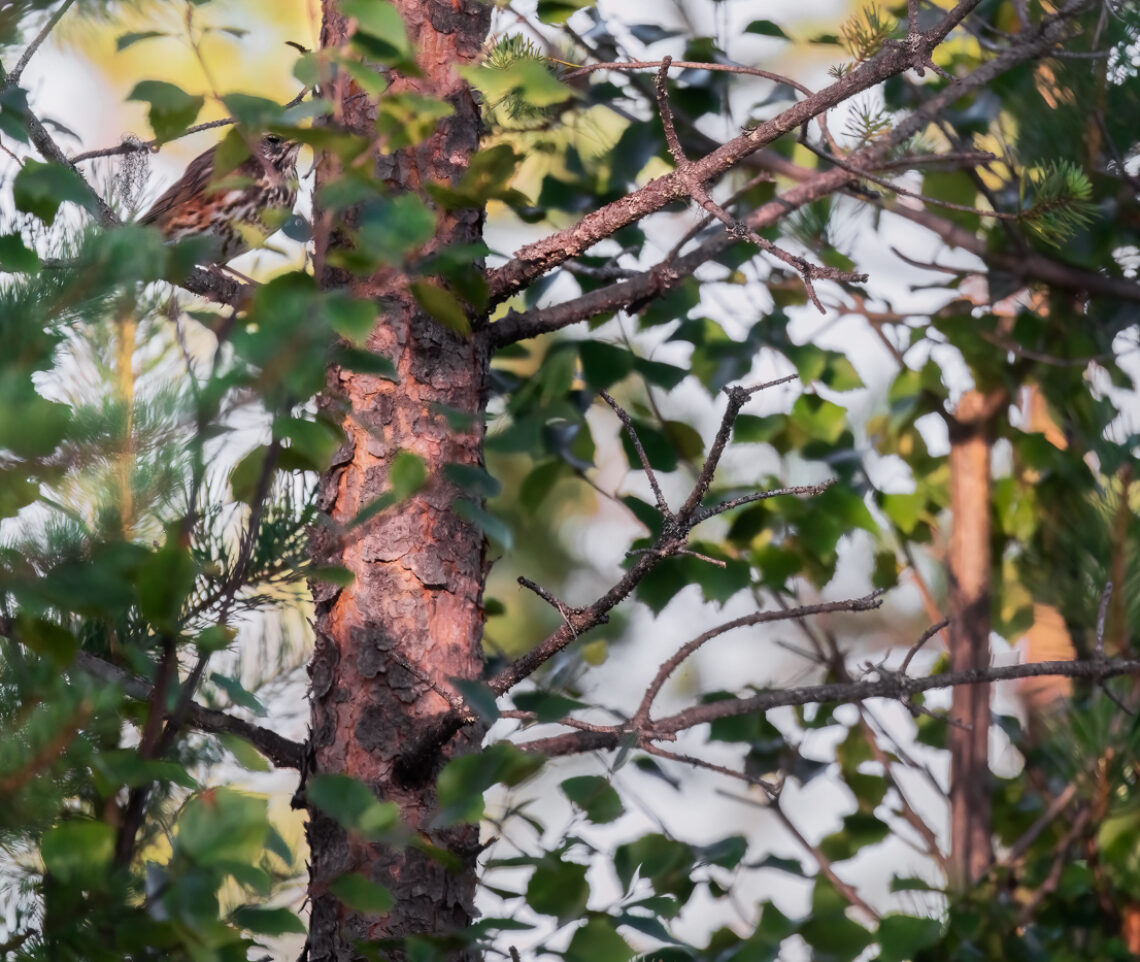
(192, 182)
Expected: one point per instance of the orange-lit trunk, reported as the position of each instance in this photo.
(412, 619)
(969, 574)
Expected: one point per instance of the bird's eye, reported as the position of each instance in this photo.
(273, 139)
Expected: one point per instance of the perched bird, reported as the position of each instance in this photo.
(242, 210)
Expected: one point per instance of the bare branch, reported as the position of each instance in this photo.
(824, 863)
(888, 686)
(641, 718)
(543, 255)
(1044, 820)
(666, 112)
(134, 145)
(802, 490)
(923, 639)
(665, 64)
(631, 433)
(1101, 615)
(37, 41)
(278, 749)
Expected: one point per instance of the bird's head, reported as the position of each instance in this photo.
(278, 154)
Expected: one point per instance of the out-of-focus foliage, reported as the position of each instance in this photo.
(155, 488)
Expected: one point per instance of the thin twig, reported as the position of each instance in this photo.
(670, 665)
(771, 789)
(134, 145)
(1044, 820)
(1101, 615)
(37, 41)
(667, 113)
(1053, 879)
(889, 686)
(689, 65)
(824, 863)
(631, 433)
(923, 639)
(279, 750)
(801, 490)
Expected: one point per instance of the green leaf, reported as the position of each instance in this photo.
(558, 888)
(237, 692)
(313, 442)
(214, 638)
(381, 21)
(331, 574)
(540, 482)
(595, 796)
(124, 767)
(255, 113)
(667, 863)
(835, 937)
(766, 28)
(172, 110)
(547, 706)
(14, 113)
(362, 895)
(79, 852)
(267, 921)
(164, 584)
(246, 755)
(955, 187)
(727, 853)
(596, 941)
(480, 698)
(406, 119)
(390, 229)
(496, 529)
(223, 828)
(904, 510)
(364, 362)
(666, 376)
(818, 419)
(125, 40)
(47, 639)
(901, 936)
(753, 429)
(559, 11)
(442, 305)
(472, 479)
(246, 475)
(859, 830)
(464, 780)
(603, 365)
(39, 189)
(407, 475)
(15, 258)
(530, 80)
(351, 317)
(351, 803)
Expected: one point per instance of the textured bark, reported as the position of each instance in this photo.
(970, 571)
(412, 620)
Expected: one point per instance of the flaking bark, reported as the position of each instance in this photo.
(412, 619)
(970, 565)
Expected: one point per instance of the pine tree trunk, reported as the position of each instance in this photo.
(970, 572)
(412, 619)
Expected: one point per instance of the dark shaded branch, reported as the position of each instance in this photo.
(631, 433)
(282, 751)
(37, 41)
(641, 719)
(887, 686)
(634, 292)
(541, 256)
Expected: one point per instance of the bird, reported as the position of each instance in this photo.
(238, 212)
